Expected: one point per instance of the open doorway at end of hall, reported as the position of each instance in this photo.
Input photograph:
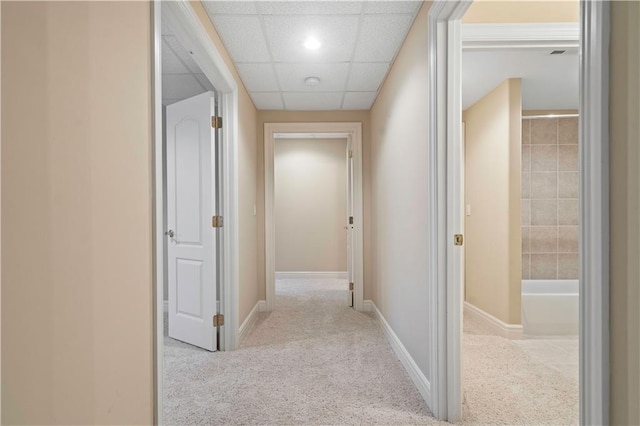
(312, 202)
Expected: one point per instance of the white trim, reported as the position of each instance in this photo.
(311, 275)
(445, 117)
(522, 35)
(594, 213)
(158, 214)
(250, 320)
(354, 130)
(189, 30)
(417, 377)
(497, 326)
(367, 305)
(541, 117)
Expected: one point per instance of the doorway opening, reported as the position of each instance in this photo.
(348, 232)
(195, 198)
(448, 207)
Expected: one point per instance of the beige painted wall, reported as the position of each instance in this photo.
(310, 205)
(493, 246)
(247, 179)
(318, 117)
(522, 11)
(399, 211)
(625, 213)
(77, 334)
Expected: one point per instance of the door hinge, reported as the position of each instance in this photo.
(218, 320)
(216, 122)
(458, 239)
(350, 220)
(350, 286)
(217, 221)
(350, 154)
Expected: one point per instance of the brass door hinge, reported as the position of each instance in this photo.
(458, 239)
(217, 221)
(350, 220)
(350, 286)
(350, 154)
(218, 320)
(216, 122)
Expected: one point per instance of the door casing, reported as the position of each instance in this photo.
(352, 131)
(445, 304)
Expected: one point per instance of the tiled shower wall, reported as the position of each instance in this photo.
(550, 198)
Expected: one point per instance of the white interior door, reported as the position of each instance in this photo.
(191, 248)
(349, 226)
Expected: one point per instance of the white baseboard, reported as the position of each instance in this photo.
(251, 319)
(416, 375)
(165, 306)
(311, 275)
(498, 327)
(367, 305)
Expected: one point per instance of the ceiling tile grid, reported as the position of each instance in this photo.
(358, 42)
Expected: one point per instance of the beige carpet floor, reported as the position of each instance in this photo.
(315, 361)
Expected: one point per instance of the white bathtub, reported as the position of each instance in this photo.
(550, 307)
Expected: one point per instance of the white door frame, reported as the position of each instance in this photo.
(445, 304)
(352, 130)
(189, 30)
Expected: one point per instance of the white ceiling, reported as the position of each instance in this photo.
(359, 40)
(548, 81)
(181, 76)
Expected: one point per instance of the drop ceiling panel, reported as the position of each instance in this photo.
(243, 37)
(286, 35)
(333, 77)
(359, 100)
(367, 77)
(389, 7)
(180, 86)
(381, 36)
(231, 7)
(258, 77)
(267, 101)
(312, 102)
(310, 7)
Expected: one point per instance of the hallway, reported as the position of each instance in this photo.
(311, 361)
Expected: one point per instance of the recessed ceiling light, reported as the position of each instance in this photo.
(312, 81)
(312, 43)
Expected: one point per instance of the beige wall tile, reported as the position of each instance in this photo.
(526, 212)
(568, 158)
(544, 266)
(568, 131)
(568, 239)
(526, 158)
(544, 131)
(526, 259)
(567, 212)
(526, 126)
(526, 232)
(544, 212)
(544, 158)
(544, 185)
(568, 266)
(544, 239)
(526, 185)
(568, 184)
